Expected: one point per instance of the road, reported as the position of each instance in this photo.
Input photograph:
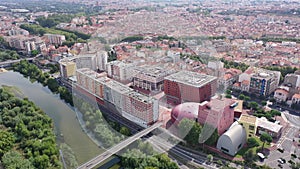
(9, 62)
(294, 120)
(286, 142)
(102, 157)
(200, 159)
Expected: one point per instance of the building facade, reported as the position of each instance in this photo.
(67, 68)
(139, 108)
(249, 123)
(232, 140)
(296, 99)
(55, 39)
(281, 95)
(264, 82)
(186, 86)
(150, 77)
(121, 71)
(218, 113)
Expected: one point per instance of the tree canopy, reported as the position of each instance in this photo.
(29, 130)
(265, 137)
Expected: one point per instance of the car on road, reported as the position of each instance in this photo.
(281, 161)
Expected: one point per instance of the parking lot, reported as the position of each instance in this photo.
(288, 145)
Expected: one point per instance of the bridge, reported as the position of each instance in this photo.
(113, 150)
(10, 62)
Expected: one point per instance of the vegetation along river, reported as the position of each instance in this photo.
(67, 127)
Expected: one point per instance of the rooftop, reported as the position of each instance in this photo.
(87, 71)
(114, 85)
(262, 73)
(154, 71)
(296, 96)
(245, 118)
(218, 104)
(264, 123)
(66, 62)
(190, 78)
(140, 97)
(239, 107)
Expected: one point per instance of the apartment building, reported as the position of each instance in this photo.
(134, 106)
(258, 81)
(95, 60)
(67, 68)
(140, 108)
(55, 39)
(121, 71)
(151, 77)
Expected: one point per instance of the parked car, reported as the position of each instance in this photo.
(280, 161)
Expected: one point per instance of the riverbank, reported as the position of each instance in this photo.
(63, 116)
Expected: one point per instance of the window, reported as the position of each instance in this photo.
(240, 146)
(224, 149)
(251, 127)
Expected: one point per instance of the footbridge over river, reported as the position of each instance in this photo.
(113, 150)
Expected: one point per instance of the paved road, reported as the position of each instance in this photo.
(293, 119)
(102, 157)
(14, 61)
(199, 159)
(285, 142)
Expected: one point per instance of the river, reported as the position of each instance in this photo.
(63, 116)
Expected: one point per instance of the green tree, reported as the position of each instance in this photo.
(189, 131)
(241, 97)
(265, 137)
(252, 142)
(14, 160)
(125, 131)
(263, 103)
(228, 96)
(210, 157)
(7, 140)
(249, 155)
(185, 125)
(253, 105)
(213, 138)
(34, 52)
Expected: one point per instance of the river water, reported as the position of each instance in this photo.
(63, 116)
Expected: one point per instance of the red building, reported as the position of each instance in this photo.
(218, 113)
(185, 110)
(140, 108)
(186, 86)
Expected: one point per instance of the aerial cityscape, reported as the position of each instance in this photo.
(149, 84)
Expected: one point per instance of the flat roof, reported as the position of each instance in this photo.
(219, 104)
(87, 72)
(140, 97)
(155, 70)
(245, 118)
(66, 61)
(264, 123)
(114, 85)
(190, 78)
(239, 107)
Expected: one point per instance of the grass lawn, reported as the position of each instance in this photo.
(255, 149)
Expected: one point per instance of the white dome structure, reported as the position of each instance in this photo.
(232, 140)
